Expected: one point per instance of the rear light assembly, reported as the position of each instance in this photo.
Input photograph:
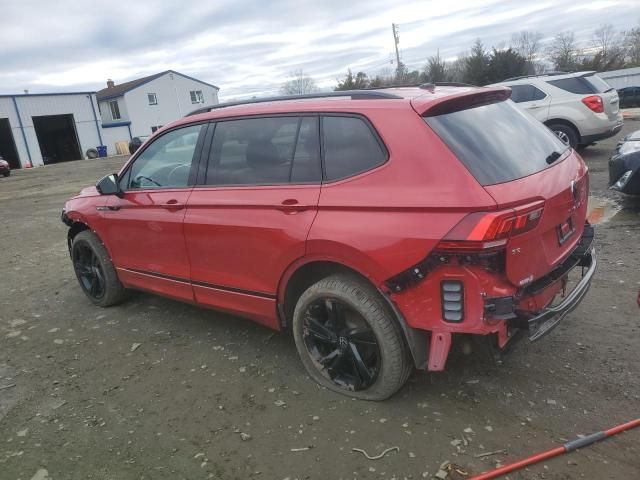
(594, 103)
(482, 231)
(479, 239)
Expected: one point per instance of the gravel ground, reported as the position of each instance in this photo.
(155, 389)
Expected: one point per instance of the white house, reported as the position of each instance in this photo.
(148, 103)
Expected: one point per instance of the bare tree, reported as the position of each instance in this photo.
(563, 51)
(457, 68)
(299, 84)
(604, 41)
(632, 46)
(527, 44)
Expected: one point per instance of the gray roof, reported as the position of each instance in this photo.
(121, 89)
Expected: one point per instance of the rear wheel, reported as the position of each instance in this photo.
(348, 340)
(95, 271)
(565, 133)
(7, 173)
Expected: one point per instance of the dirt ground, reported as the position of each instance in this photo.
(208, 395)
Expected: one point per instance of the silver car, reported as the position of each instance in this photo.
(580, 108)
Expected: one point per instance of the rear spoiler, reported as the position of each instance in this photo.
(427, 106)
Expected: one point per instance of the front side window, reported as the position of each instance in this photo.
(115, 110)
(265, 151)
(350, 147)
(526, 93)
(196, 96)
(153, 99)
(167, 161)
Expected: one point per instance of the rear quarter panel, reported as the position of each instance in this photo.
(385, 220)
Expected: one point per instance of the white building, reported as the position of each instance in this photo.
(148, 103)
(626, 77)
(38, 129)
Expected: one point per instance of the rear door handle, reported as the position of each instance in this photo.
(292, 205)
(172, 204)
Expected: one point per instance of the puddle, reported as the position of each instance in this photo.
(602, 210)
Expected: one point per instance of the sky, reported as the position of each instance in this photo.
(250, 47)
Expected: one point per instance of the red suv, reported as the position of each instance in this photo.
(373, 224)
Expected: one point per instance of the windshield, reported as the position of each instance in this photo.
(497, 142)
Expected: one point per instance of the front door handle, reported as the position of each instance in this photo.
(172, 204)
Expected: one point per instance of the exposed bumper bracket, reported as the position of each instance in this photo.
(542, 323)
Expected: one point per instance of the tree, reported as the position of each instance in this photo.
(351, 82)
(609, 50)
(563, 51)
(401, 73)
(505, 64)
(299, 84)
(477, 65)
(632, 47)
(436, 69)
(457, 68)
(527, 44)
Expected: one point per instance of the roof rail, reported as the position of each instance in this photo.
(546, 74)
(354, 94)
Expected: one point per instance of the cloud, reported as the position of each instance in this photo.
(248, 47)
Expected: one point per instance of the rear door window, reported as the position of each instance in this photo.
(350, 147)
(498, 142)
(526, 93)
(582, 85)
(265, 151)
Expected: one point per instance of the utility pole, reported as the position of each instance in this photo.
(396, 41)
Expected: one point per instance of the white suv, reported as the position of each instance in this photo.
(579, 107)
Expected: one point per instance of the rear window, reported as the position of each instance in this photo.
(497, 142)
(582, 85)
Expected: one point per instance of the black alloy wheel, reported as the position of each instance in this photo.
(341, 344)
(89, 272)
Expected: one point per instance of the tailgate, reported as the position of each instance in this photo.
(564, 189)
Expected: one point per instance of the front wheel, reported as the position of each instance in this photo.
(348, 340)
(95, 271)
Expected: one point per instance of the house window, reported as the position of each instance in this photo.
(196, 96)
(115, 110)
(153, 99)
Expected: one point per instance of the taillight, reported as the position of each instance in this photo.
(487, 231)
(479, 239)
(594, 103)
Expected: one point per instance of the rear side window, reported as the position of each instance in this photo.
(497, 142)
(582, 85)
(526, 93)
(350, 147)
(265, 151)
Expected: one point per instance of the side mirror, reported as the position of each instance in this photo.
(109, 185)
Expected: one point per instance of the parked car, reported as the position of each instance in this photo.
(136, 142)
(624, 166)
(629, 97)
(580, 108)
(5, 169)
(375, 225)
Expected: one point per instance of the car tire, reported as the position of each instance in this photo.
(565, 133)
(6, 174)
(363, 355)
(95, 270)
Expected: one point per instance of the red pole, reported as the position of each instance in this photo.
(567, 447)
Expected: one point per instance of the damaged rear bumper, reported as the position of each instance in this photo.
(541, 323)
